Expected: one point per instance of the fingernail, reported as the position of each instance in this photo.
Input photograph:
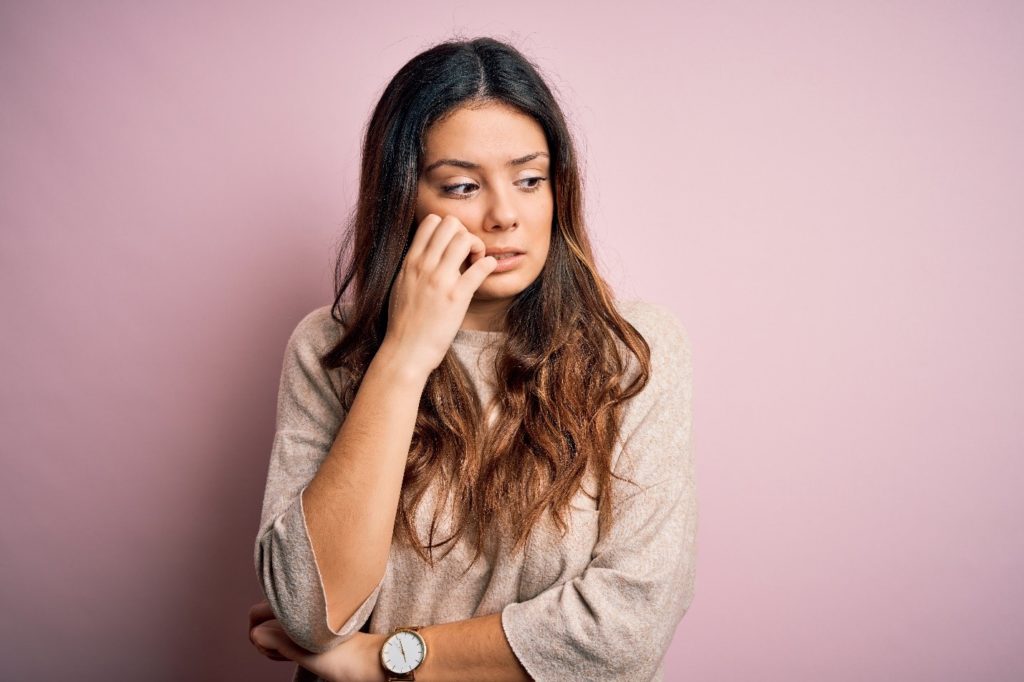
(258, 636)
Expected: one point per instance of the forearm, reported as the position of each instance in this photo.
(351, 502)
(473, 650)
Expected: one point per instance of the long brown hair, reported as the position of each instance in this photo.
(562, 363)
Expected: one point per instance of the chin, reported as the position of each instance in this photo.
(494, 288)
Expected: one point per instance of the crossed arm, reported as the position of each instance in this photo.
(614, 621)
(472, 650)
(325, 494)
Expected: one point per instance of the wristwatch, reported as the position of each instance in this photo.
(402, 652)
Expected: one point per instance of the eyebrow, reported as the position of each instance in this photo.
(459, 163)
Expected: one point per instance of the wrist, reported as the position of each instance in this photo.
(426, 670)
(402, 650)
(397, 365)
(374, 670)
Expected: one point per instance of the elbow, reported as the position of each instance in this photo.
(641, 636)
(586, 630)
(628, 651)
(291, 601)
(628, 640)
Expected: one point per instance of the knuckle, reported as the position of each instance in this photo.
(435, 279)
(452, 223)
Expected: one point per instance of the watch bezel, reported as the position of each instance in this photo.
(394, 634)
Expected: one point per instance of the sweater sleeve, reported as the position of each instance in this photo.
(309, 414)
(617, 618)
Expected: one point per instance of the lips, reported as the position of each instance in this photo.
(506, 250)
(508, 263)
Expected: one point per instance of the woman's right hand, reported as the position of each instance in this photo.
(431, 293)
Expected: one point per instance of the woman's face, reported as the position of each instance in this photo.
(489, 167)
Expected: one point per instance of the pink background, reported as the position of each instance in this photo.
(828, 194)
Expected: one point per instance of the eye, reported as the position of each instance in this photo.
(533, 188)
(449, 190)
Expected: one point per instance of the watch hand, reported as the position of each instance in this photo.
(404, 657)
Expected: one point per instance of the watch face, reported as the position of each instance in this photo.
(402, 652)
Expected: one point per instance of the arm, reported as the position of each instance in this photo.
(611, 642)
(616, 619)
(351, 503)
(473, 650)
(332, 490)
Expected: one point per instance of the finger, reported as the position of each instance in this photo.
(422, 236)
(269, 653)
(475, 275)
(439, 240)
(273, 638)
(259, 613)
(260, 639)
(458, 249)
(477, 249)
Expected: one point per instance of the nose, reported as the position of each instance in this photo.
(502, 213)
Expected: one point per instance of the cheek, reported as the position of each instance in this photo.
(426, 203)
(468, 215)
(541, 251)
(542, 215)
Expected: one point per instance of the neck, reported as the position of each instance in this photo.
(485, 315)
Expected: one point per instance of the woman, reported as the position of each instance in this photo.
(479, 440)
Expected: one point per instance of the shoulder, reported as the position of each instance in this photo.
(303, 374)
(317, 331)
(653, 320)
(656, 422)
(664, 332)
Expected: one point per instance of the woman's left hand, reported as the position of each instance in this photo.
(357, 659)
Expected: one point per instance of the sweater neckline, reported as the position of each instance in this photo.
(477, 337)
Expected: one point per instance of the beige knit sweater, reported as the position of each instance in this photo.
(578, 607)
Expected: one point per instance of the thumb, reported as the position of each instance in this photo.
(475, 275)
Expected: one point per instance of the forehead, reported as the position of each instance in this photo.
(489, 135)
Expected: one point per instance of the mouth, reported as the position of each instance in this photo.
(501, 254)
(507, 261)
